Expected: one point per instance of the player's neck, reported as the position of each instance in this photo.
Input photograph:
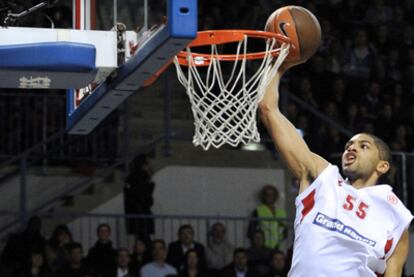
(360, 183)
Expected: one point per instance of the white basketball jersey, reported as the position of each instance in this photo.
(343, 231)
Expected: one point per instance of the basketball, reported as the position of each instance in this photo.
(301, 26)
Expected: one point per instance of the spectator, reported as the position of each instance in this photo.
(351, 15)
(140, 255)
(401, 137)
(378, 13)
(317, 77)
(51, 258)
(399, 19)
(359, 57)
(371, 99)
(278, 265)
(138, 198)
(385, 122)
(379, 72)
(19, 246)
(381, 40)
(239, 267)
(292, 112)
(258, 253)
(331, 110)
(158, 267)
(60, 238)
(185, 242)
(101, 256)
(36, 266)
(274, 230)
(393, 66)
(338, 94)
(408, 37)
(76, 265)
(335, 60)
(122, 267)
(219, 251)
(306, 93)
(332, 143)
(191, 265)
(351, 119)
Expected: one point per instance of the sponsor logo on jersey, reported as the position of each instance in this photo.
(335, 225)
(392, 199)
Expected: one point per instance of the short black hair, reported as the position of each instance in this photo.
(160, 241)
(73, 245)
(278, 252)
(239, 250)
(122, 249)
(102, 225)
(185, 226)
(260, 231)
(265, 188)
(383, 148)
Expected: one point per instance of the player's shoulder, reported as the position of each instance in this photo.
(330, 173)
(385, 194)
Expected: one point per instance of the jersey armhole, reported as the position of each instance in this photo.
(315, 184)
(403, 224)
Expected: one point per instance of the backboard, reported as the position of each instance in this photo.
(109, 51)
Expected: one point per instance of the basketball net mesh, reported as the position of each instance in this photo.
(224, 108)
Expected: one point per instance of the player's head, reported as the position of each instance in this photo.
(365, 155)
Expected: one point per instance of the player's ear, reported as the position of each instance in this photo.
(383, 167)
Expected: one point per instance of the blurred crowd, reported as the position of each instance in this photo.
(29, 254)
(361, 77)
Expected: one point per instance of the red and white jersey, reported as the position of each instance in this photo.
(343, 231)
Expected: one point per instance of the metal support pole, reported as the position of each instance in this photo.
(145, 15)
(115, 12)
(404, 184)
(44, 135)
(167, 114)
(404, 178)
(23, 189)
(126, 138)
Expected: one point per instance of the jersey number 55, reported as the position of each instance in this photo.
(349, 205)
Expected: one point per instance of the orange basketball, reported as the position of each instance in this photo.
(301, 26)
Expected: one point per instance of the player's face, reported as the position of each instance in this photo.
(360, 158)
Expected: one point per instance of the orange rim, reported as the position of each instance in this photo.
(228, 36)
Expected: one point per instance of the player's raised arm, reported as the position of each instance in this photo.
(304, 164)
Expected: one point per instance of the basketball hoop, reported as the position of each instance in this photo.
(224, 105)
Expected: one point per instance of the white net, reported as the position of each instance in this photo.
(224, 106)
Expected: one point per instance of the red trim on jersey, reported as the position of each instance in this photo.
(308, 203)
(388, 246)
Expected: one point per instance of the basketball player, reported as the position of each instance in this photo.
(343, 227)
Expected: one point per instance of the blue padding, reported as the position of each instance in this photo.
(49, 56)
(182, 18)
